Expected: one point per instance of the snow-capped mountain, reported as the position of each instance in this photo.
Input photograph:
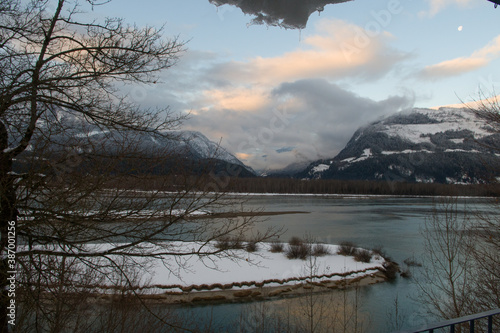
(194, 145)
(448, 145)
(180, 148)
(201, 146)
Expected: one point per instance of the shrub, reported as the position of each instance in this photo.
(378, 250)
(297, 249)
(236, 244)
(295, 241)
(411, 262)
(223, 243)
(251, 246)
(277, 247)
(390, 270)
(406, 273)
(347, 249)
(226, 243)
(320, 250)
(363, 256)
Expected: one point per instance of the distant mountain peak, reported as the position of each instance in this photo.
(191, 147)
(448, 145)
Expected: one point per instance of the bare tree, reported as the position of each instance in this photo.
(76, 143)
(485, 250)
(445, 287)
(462, 242)
(461, 271)
(487, 108)
(485, 229)
(461, 263)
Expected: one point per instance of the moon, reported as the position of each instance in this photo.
(460, 28)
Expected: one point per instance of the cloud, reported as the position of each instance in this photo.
(273, 111)
(338, 50)
(303, 120)
(492, 103)
(290, 14)
(236, 99)
(453, 67)
(242, 156)
(436, 6)
(457, 66)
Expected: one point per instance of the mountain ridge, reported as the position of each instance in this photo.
(448, 145)
(190, 150)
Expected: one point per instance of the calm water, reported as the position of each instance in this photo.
(393, 223)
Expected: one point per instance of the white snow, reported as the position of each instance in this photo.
(461, 151)
(92, 133)
(449, 119)
(401, 169)
(425, 179)
(258, 266)
(348, 160)
(205, 147)
(165, 272)
(406, 151)
(367, 153)
(464, 180)
(320, 168)
(414, 133)
(8, 150)
(128, 214)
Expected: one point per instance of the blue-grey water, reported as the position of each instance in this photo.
(393, 223)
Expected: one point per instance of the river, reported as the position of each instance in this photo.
(395, 223)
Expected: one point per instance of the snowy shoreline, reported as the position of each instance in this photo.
(175, 273)
(256, 293)
(258, 274)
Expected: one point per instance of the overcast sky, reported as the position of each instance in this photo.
(277, 95)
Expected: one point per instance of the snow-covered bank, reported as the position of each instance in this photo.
(176, 268)
(255, 269)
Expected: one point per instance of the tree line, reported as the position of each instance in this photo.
(298, 186)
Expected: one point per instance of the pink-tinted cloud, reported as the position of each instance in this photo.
(457, 66)
(492, 102)
(236, 99)
(338, 50)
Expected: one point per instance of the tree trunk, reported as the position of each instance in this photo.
(8, 217)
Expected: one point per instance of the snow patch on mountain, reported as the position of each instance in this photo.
(440, 121)
(406, 151)
(205, 147)
(320, 168)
